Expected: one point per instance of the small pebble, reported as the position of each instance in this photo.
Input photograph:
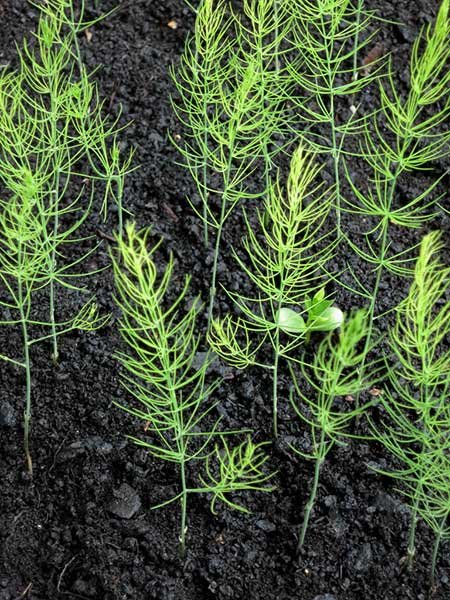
(126, 502)
(265, 525)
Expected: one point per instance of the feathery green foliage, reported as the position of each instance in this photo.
(328, 36)
(232, 88)
(405, 136)
(416, 397)
(162, 375)
(285, 266)
(27, 245)
(333, 376)
(238, 468)
(50, 122)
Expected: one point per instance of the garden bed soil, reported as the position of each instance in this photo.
(82, 527)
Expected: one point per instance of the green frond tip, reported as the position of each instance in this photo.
(89, 318)
(423, 320)
(416, 399)
(231, 470)
(223, 339)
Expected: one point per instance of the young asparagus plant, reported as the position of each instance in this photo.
(333, 376)
(232, 92)
(433, 496)
(416, 397)
(161, 374)
(329, 36)
(406, 135)
(27, 244)
(51, 124)
(71, 20)
(285, 266)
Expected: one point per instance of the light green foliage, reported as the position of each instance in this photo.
(405, 135)
(27, 246)
(239, 468)
(409, 138)
(284, 263)
(333, 375)
(50, 126)
(232, 89)
(162, 374)
(416, 397)
(329, 36)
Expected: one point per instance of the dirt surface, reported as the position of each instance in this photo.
(82, 527)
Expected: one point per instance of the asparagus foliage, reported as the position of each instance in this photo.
(285, 266)
(329, 36)
(416, 397)
(232, 91)
(27, 244)
(405, 135)
(50, 121)
(333, 376)
(161, 374)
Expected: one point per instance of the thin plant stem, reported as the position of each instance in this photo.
(275, 385)
(184, 498)
(380, 272)
(356, 44)
(336, 160)
(76, 43)
(27, 362)
(313, 494)
(276, 345)
(213, 289)
(411, 551)
(55, 353)
(12, 361)
(437, 543)
(275, 16)
(120, 204)
(371, 311)
(203, 189)
(54, 130)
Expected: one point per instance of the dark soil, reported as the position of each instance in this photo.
(82, 527)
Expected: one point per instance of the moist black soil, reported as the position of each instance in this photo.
(82, 527)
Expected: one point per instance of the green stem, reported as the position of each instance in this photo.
(313, 494)
(203, 188)
(336, 160)
(27, 363)
(213, 289)
(277, 33)
(55, 191)
(183, 526)
(376, 288)
(437, 543)
(55, 353)
(76, 43)
(120, 205)
(411, 551)
(276, 346)
(12, 361)
(275, 386)
(355, 44)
